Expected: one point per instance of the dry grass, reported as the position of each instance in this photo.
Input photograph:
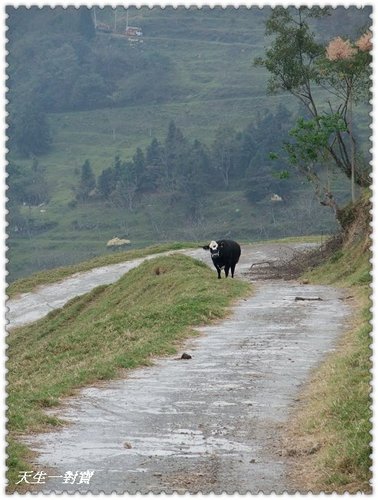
(327, 440)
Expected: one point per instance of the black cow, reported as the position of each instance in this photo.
(225, 254)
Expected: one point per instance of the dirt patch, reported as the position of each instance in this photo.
(192, 479)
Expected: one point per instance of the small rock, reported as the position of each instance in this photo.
(313, 449)
(252, 461)
(291, 452)
(157, 474)
(347, 298)
(186, 356)
(127, 445)
(305, 282)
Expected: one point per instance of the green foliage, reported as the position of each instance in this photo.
(63, 65)
(297, 63)
(224, 153)
(87, 182)
(88, 92)
(27, 184)
(290, 60)
(312, 138)
(188, 170)
(348, 77)
(30, 130)
(86, 24)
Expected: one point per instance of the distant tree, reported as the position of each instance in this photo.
(17, 181)
(246, 148)
(195, 179)
(56, 70)
(106, 182)
(89, 91)
(154, 165)
(154, 153)
(87, 182)
(126, 188)
(27, 184)
(86, 24)
(31, 131)
(175, 154)
(139, 166)
(118, 168)
(130, 184)
(223, 151)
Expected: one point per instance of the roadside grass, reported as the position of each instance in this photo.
(54, 275)
(337, 403)
(311, 238)
(97, 336)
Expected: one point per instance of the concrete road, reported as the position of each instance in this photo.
(210, 423)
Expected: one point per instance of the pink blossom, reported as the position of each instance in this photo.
(339, 49)
(364, 42)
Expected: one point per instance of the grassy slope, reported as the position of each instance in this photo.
(54, 275)
(337, 405)
(113, 327)
(343, 396)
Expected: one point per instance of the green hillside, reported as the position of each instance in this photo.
(102, 97)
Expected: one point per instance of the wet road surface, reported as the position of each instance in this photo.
(209, 423)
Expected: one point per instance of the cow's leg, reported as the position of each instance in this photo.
(226, 270)
(232, 269)
(218, 270)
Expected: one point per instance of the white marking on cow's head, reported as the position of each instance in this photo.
(214, 249)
